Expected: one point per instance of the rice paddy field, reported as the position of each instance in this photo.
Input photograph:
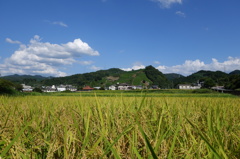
(120, 125)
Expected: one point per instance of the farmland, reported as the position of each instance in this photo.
(120, 125)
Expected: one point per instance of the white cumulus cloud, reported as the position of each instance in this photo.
(168, 3)
(136, 66)
(45, 58)
(189, 66)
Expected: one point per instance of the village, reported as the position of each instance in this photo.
(118, 86)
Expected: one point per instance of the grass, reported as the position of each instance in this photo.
(119, 126)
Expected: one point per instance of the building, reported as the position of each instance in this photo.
(189, 86)
(59, 88)
(49, 88)
(27, 88)
(155, 87)
(87, 88)
(138, 87)
(71, 88)
(112, 87)
(124, 86)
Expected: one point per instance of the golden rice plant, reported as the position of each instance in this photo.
(119, 127)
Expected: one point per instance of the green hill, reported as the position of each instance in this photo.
(235, 72)
(156, 77)
(201, 75)
(101, 78)
(130, 77)
(209, 78)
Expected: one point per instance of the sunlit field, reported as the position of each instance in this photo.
(120, 125)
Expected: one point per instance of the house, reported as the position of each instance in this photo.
(124, 86)
(189, 86)
(112, 87)
(155, 87)
(49, 88)
(184, 86)
(27, 88)
(71, 88)
(59, 88)
(87, 88)
(196, 86)
(139, 87)
(133, 87)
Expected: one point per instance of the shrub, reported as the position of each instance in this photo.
(202, 91)
(37, 90)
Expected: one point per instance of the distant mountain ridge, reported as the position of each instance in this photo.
(17, 77)
(104, 78)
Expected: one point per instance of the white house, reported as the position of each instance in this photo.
(49, 89)
(124, 86)
(71, 88)
(139, 87)
(27, 88)
(112, 87)
(61, 88)
(189, 86)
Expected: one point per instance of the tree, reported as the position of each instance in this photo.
(18, 87)
(233, 82)
(37, 90)
(208, 83)
(6, 87)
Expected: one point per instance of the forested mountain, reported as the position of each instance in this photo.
(149, 76)
(156, 77)
(100, 78)
(235, 72)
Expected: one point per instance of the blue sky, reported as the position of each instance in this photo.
(65, 37)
